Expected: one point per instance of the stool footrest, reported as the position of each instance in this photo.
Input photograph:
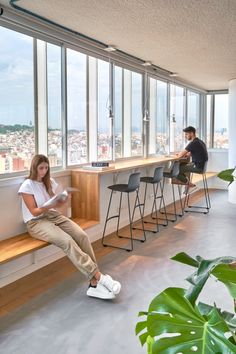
(133, 238)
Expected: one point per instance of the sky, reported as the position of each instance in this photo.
(16, 88)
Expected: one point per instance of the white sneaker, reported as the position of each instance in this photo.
(100, 292)
(112, 285)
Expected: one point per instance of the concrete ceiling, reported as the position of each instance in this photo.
(194, 38)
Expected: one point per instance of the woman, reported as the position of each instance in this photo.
(48, 224)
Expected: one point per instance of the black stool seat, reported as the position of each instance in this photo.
(148, 180)
(124, 188)
(168, 174)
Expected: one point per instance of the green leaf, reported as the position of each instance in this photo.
(228, 317)
(227, 175)
(140, 326)
(179, 327)
(227, 275)
(199, 278)
(183, 257)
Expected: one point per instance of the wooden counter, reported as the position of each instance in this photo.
(86, 203)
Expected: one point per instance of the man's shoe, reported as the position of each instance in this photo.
(100, 292)
(112, 285)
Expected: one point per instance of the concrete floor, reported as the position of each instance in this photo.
(65, 321)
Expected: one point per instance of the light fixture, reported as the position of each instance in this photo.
(147, 63)
(173, 74)
(110, 48)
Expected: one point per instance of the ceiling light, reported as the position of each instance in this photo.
(173, 74)
(110, 48)
(147, 63)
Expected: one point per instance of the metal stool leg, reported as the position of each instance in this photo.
(174, 202)
(137, 200)
(107, 219)
(162, 200)
(154, 206)
(203, 209)
(117, 228)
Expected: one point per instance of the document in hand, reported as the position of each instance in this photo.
(60, 197)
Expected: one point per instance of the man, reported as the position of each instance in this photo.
(196, 149)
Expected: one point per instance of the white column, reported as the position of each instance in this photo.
(232, 136)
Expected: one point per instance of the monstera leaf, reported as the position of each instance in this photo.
(227, 275)
(227, 175)
(228, 317)
(219, 267)
(174, 325)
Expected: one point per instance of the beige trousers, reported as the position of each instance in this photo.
(57, 229)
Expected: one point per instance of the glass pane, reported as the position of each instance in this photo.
(136, 127)
(209, 103)
(54, 104)
(193, 110)
(158, 127)
(17, 137)
(127, 95)
(176, 118)
(162, 121)
(221, 122)
(76, 108)
(118, 112)
(104, 122)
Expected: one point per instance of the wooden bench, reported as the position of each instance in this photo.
(22, 244)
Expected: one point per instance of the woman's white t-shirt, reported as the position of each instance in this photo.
(38, 190)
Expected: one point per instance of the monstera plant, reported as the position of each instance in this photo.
(176, 323)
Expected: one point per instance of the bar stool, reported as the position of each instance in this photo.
(132, 186)
(173, 173)
(155, 181)
(205, 208)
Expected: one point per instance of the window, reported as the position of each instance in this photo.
(17, 137)
(221, 122)
(31, 94)
(158, 127)
(54, 105)
(193, 109)
(104, 143)
(76, 108)
(118, 113)
(128, 113)
(217, 121)
(177, 118)
(136, 108)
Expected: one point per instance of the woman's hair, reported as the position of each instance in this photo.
(36, 161)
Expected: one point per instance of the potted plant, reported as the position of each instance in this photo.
(176, 323)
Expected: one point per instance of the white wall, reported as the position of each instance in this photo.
(218, 161)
